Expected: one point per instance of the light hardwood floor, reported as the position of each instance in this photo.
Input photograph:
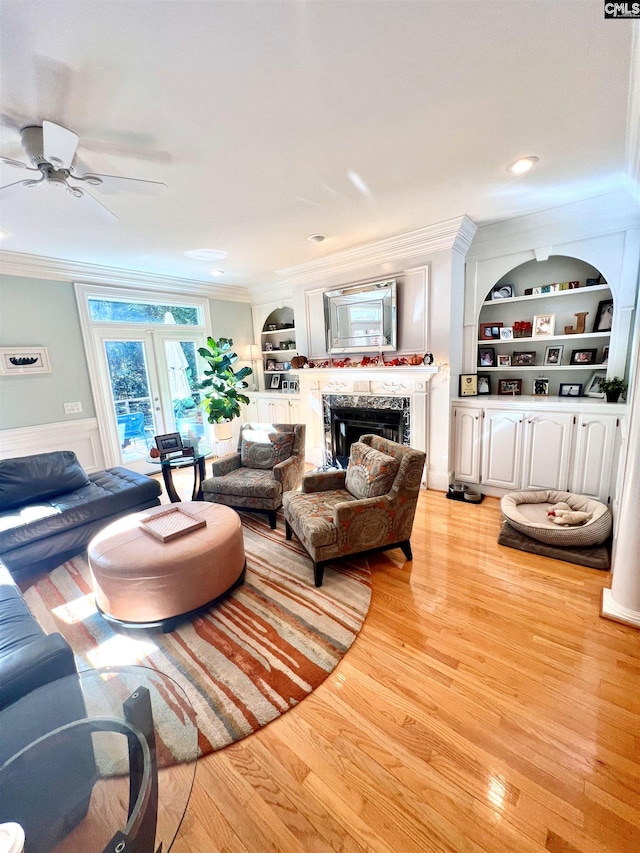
(485, 706)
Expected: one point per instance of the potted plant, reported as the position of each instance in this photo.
(612, 388)
(223, 387)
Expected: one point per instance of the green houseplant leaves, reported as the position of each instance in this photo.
(223, 387)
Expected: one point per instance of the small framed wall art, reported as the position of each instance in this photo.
(524, 359)
(512, 387)
(553, 354)
(489, 331)
(468, 385)
(16, 361)
(502, 291)
(543, 325)
(484, 384)
(541, 387)
(583, 356)
(570, 389)
(604, 316)
(592, 388)
(486, 357)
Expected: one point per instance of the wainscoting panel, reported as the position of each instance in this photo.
(81, 436)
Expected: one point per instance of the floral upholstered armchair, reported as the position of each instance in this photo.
(269, 462)
(368, 506)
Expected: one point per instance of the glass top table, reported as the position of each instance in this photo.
(100, 761)
(196, 461)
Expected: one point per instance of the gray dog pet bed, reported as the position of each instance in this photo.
(593, 556)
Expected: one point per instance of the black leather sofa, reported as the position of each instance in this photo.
(30, 659)
(50, 508)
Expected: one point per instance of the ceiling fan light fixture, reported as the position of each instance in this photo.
(206, 254)
(522, 165)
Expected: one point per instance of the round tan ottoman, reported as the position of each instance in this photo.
(143, 582)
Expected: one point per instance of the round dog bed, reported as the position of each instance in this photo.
(527, 512)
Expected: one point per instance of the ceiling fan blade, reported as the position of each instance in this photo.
(113, 183)
(92, 205)
(7, 161)
(9, 189)
(59, 144)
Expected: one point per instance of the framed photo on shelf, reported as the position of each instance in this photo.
(591, 388)
(506, 333)
(486, 357)
(512, 387)
(553, 354)
(543, 325)
(489, 331)
(541, 387)
(502, 291)
(504, 361)
(271, 364)
(268, 346)
(604, 316)
(524, 359)
(570, 389)
(583, 356)
(605, 355)
(275, 381)
(484, 384)
(468, 385)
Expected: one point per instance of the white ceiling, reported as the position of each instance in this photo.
(270, 121)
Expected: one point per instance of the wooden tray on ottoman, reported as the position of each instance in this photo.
(171, 523)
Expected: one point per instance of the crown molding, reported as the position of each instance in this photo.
(38, 266)
(260, 294)
(593, 217)
(453, 234)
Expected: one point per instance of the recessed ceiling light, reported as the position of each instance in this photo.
(206, 254)
(317, 238)
(217, 272)
(519, 167)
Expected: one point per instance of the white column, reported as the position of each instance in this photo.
(622, 601)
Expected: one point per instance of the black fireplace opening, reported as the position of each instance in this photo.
(348, 424)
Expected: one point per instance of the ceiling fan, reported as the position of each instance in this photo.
(51, 150)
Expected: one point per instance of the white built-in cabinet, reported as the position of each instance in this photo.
(595, 447)
(507, 448)
(272, 408)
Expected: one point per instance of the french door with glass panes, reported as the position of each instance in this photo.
(144, 367)
(151, 377)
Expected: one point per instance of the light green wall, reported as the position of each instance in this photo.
(232, 320)
(43, 313)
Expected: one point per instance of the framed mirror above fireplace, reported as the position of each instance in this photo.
(361, 318)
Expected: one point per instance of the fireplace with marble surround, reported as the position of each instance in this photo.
(348, 416)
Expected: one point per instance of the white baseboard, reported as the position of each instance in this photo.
(612, 610)
(80, 435)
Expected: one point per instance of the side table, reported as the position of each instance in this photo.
(196, 462)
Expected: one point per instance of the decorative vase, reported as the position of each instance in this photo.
(613, 396)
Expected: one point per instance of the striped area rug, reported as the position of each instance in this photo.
(245, 661)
